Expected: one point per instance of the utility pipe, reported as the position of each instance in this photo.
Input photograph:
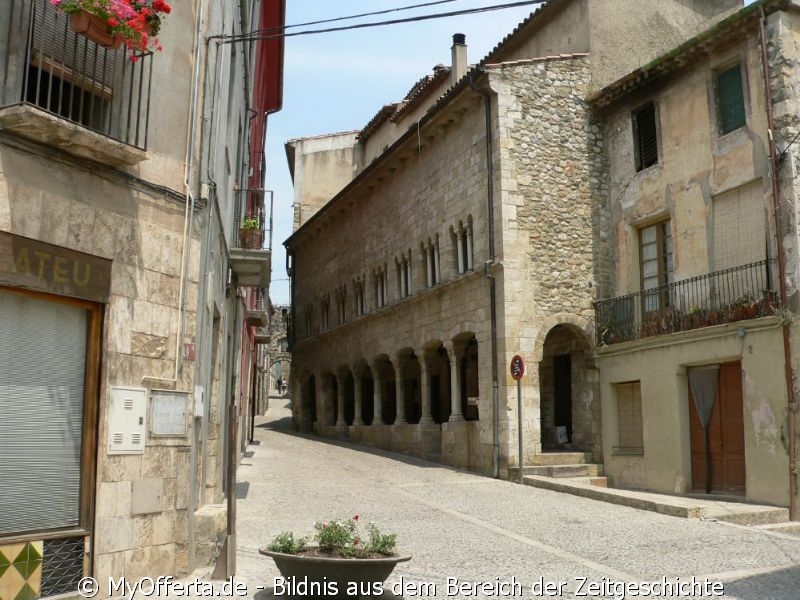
(492, 282)
(787, 352)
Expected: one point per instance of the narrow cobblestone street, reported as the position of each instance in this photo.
(477, 529)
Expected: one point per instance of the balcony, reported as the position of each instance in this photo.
(257, 316)
(251, 252)
(65, 91)
(725, 296)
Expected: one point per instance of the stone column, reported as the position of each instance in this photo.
(377, 396)
(455, 385)
(357, 391)
(437, 270)
(341, 382)
(469, 248)
(424, 386)
(460, 250)
(399, 399)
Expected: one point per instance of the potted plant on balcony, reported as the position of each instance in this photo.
(345, 563)
(109, 23)
(250, 233)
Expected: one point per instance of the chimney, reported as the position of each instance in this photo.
(459, 54)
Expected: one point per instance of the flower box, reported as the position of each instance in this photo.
(95, 29)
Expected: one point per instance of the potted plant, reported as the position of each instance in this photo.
(345, 562)
(250, 233)
(109, 23)
(769, 302)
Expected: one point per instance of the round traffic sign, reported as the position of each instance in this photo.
(517, 367)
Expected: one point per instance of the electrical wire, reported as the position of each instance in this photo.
(367, 14)
(262, 34)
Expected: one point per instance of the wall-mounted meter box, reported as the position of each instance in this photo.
(127, 416)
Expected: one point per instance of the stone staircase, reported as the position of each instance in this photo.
(574, 473)
(559, 465)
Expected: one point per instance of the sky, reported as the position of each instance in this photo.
(337, 81)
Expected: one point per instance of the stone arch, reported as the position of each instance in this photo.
(568, 385)
(585, 326)
(308, 401)
(466, 350)
(384, 374)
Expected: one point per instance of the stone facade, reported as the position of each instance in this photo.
(165, 325)
(400, 341)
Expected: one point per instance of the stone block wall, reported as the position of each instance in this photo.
(141, 234)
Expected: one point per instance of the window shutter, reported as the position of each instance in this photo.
(740, 235)
(629, 416)
(42, 367)
(731, 99)
(646, 137)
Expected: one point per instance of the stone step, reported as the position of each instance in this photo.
(560, 458)
(558, 471)
(790, 527)
(676, 506)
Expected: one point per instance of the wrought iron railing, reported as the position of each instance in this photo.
(45, 64)
(724, 296)
(254, 225)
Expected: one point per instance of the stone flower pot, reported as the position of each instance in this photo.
(302, 572)
(94, 28)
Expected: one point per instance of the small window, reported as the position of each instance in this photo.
(730, 100)
(645, 136)
(629, 419)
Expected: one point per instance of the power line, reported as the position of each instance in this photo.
(367, 14)
(263, 34)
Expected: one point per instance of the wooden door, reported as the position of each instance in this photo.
(726, 432)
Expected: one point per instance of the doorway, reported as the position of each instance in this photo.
(562, 383)
(726, 436)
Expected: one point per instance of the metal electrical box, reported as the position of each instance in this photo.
(127, 425)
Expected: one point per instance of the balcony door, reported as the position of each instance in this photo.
(656, 260)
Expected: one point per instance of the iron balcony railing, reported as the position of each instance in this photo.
(254, 225)
(724, 296)
(49, 66)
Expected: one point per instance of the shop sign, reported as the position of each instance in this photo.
(40, 266)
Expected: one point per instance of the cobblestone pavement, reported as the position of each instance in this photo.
(475, 528)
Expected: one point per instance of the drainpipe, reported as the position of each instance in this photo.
(787, 352)
(492, 282)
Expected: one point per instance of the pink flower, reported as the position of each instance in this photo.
(356, 517)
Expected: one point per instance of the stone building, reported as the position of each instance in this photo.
(280, 359)
(690, 326)
(466, 232)
(118, 356)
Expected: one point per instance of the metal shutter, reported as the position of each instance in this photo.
(740, 235)
(42, 365)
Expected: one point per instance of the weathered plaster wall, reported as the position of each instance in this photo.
(695, 164)
(626, 34)
(322, 167)
(660, 365)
